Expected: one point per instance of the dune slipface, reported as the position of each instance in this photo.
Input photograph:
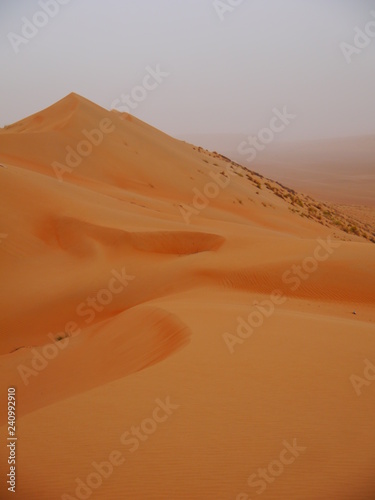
(174, 326)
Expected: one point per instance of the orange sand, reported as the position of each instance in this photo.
(112, 231)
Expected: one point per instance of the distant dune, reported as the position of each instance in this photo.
(173, 323)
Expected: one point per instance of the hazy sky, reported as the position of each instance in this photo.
(223, 68)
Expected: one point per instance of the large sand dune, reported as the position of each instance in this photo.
(149, 283)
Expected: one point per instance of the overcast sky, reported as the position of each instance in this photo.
(223, 69)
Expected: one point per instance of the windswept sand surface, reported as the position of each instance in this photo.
(203, 353)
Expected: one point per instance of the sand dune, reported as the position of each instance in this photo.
(128, 342)
(334, 170)
(150, 283)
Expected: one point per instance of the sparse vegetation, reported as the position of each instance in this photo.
(306, 207)
(61, 337)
